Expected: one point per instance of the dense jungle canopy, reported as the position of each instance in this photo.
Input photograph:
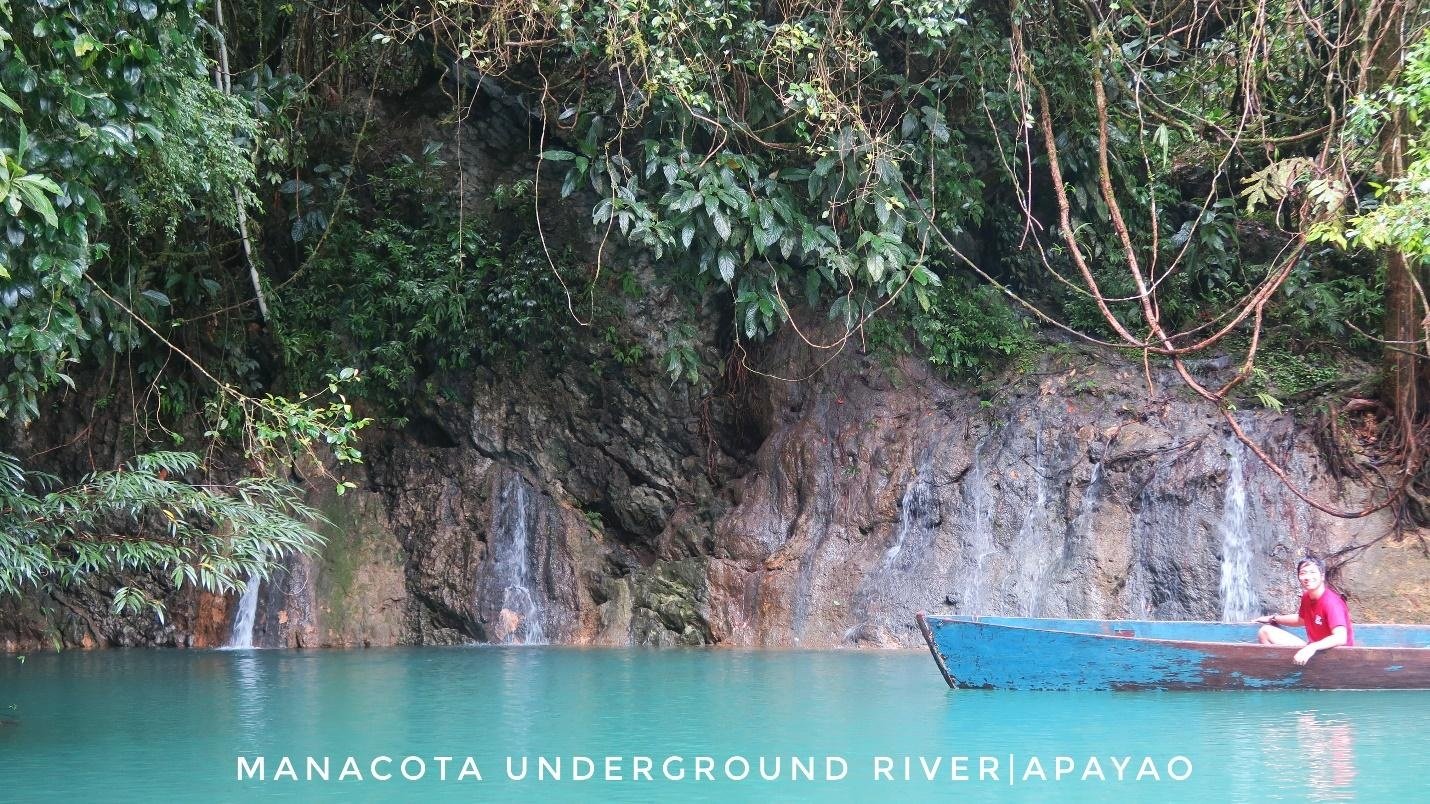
(202, 221)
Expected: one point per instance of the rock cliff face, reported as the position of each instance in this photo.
(1065, 494)
(608, 507)
(598, 508)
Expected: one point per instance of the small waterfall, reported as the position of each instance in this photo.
(1030, 555)
(1074, 567)
(519, 621)
(1088, 506)
(1238, 599)
(885, 588)
(979, 528)
(1138, 591)
(913, 508)
(241, 636)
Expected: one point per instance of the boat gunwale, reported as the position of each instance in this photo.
(1369, 650)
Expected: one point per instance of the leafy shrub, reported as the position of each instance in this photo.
(970, 330)
(99, 103)
(401, 288)
(146, 518)
(1280, 374)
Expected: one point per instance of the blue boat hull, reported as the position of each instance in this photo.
(1042, 654)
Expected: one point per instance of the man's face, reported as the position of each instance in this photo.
(1310, 576)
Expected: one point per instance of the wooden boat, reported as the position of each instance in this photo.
(1027, 653)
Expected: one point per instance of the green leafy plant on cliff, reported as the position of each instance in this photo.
(279, 431)
(970, 331)
(402, 286)
(145, 518)
(1281, 374)
(110, 128)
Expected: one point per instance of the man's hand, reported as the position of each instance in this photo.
(1304, 655)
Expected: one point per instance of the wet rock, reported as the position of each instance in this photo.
(667, 604)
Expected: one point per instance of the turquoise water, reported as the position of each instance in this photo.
(156, 725)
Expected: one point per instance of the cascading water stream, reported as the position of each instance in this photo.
(1088, 507)
(519, 621)
(1082, 541)
(912, 506)
(1238, 599)
(1031, 557)
(241, 635)
(980, 532)
(882, 585)
(1138, 591)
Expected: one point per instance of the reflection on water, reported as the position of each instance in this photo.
(249, 697)
(1314, 751)
(1328, 752)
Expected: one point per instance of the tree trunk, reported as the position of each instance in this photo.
(1402, 336)
(1403, 311)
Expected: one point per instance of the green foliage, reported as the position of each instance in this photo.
(276, 430)
(625, 353)
(145, 518)
(593, 520)
(196, 155)
(1280, 374)
(516, 196)
(400, 287)
(970, 331)
(101, 101)
(746, 162)
(1081, 312)
(682, 362)
(1332, 298)
(1399, 218)
(885, 336)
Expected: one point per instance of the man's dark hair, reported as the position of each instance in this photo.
(1313, 561)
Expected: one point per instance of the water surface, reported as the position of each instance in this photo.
(143, 725)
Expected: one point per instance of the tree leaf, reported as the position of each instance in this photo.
(84, 43)
(874, 265)
(43, 182)
(726, 261)
(36, 199)
(719, 221)
(812, 283)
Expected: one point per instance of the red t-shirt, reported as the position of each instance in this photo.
(1323, 614)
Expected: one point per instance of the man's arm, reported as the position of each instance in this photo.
(1292, 620)
(1336, 639)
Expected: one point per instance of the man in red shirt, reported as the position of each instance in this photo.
(1323, 612)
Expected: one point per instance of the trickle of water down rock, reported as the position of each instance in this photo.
(918, 521)
(1029, 543)
(519, 618)
(241, 636)
(1238, 599)
(978, 528)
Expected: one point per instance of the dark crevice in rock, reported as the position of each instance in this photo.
(429, 432)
